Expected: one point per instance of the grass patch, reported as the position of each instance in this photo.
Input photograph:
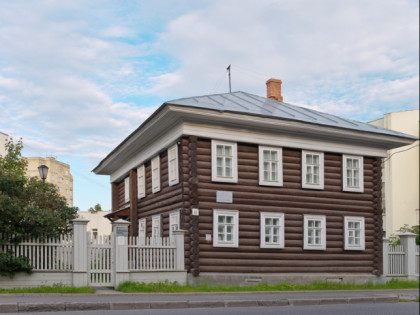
(165, 287)
(49, 289)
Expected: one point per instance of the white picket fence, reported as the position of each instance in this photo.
(46, 254)
(102, 261)
(150, 253)
(402, 260)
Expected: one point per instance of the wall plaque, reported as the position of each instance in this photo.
(224, 196)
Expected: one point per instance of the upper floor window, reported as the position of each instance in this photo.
(173, 173)
(353, 173)
(156, 226)
(225, 228)
(272, 230)
(127, 189)
(312, 170)
(60, 179)
(156, 174)
(224, 165)
(354, 233)
(141, 182)
(314, 229)
(270, 166)
(173, 222)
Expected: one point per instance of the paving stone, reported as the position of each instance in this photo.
(87, 306)
(8, 308)
(41, 307)
(129, 305)
(166, 305)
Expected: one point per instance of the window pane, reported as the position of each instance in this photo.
(221, 229)
(348, 163)
(310, 240)
(275, 231)
(229, 219)
(274, 155)
(219, 171)
(268, 221)
(228, 150)
(276, 221)
(219, 150)
(308, 159)
(267, 231)
(351, 225)
(310, 233)
(357, 225)
(228, 162)
(318, 223)
(228, 171)
(317, 240)
(221, 219)
(266, 154)
(310, 223)
(316, 159)
(228, 229)
(355, 163)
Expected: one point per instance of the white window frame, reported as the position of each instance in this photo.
(234, 149)
(320, 185)
(156, 226)
(280, 226)
(347, 231)
(279, 168)
(173, 169)
(142, 228)
(235, 230)
(155, 167)
(174, 216)
(127, 189)
(323, 234)
(359, 188)
(141, 182)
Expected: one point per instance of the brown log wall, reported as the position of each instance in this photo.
(250, 199)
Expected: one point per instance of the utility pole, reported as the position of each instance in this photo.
(230, 88)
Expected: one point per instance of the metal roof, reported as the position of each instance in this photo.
(245, 103)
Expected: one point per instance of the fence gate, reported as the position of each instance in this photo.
(101, 260)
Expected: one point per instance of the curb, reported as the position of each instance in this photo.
(95, 306)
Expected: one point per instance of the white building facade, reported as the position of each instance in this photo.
(401, 173)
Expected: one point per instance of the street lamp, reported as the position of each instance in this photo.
(43, 172)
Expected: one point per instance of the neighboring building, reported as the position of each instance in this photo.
(98, 224)
(58, 174)
(3, 139)
(265, 190)
(401, 173)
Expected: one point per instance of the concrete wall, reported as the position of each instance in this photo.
(36, 279)
(97, 221)
(401, 173)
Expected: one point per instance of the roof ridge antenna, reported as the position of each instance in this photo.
(230, 88)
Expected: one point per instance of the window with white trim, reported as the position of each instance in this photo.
(312, 170)
(225, 228)
(224, 161)
(272, 230)
(352, 173)
(173, 222)
(155, 174)
(141, 182)
(156, 226)
(314, 229)
(270, 166)
(127, 189)
(142, 228)
(354, 233)
(173, 173)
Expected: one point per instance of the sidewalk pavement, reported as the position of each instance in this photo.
(107, 299)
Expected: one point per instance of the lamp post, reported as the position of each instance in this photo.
(43, 172)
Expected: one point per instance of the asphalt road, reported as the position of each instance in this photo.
(409, 308)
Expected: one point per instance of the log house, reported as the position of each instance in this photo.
(265, 190)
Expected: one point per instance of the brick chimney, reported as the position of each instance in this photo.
(274, 90)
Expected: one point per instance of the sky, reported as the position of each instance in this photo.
(77, 77)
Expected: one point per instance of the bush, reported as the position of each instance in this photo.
(9, 264)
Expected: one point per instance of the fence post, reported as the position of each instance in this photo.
(179, 243)
(120, 231)
(408, 240)
(385, 248)
(80, 253)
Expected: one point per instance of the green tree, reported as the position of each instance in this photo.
(28, 207)
(95, 209)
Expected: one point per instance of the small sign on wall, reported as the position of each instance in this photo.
(224, 196)
(208, 238)
(195, 211)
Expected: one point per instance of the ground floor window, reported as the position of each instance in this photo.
(225, 228)
(314, 229)
(272, 230)
(354, 233)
